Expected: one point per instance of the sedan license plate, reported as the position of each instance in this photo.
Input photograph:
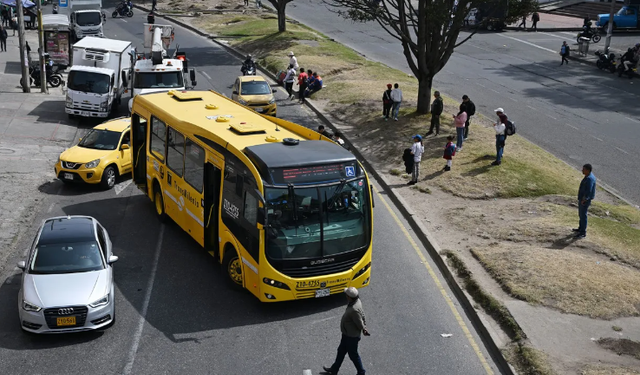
(68, 176)
(323, 293)
(85, 114)
(66, 321)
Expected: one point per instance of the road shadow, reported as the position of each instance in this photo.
(13, 67)
(14, 338)
(59, 188)
(191, 294)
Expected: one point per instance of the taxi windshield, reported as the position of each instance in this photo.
(100, 140)
(255, 88)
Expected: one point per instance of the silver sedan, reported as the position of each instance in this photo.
(67, 281)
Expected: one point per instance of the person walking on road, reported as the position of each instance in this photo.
(436, 110)
(302, 85)
(154, 5)
(417, 149)
(3, 39)
(322, 130)
(564, 52)
(387, 103)
(523, 24)
(467, 106)
(449, 153)
(396, 97)
(288, 81)
(500, 126)
(586, 194)
(352, 324)
(459, 120)
(535, 17)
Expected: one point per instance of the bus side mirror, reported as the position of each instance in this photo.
(373, 203)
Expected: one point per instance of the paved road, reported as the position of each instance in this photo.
(576, 112)
(175, 314)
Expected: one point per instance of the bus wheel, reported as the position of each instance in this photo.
(233, 267)
(159, 203)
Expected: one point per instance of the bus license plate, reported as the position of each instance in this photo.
(323, 293)
(68, 176)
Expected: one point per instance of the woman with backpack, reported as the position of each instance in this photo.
(500, 127)
(387, 103)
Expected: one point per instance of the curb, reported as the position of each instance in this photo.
(420, 231)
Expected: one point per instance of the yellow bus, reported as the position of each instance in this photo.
(286, 211)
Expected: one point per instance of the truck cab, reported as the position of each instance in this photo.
(85, 16)
(626, 18)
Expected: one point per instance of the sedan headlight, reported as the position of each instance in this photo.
(101, 302)
(273, 100)
(242, 102)
(27, 306)
(92, 164)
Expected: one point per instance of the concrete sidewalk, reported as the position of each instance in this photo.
(552, 22)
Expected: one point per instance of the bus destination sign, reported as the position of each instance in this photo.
(313, 174)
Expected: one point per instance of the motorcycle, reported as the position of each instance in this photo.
(248, 70)
(123, 9)
(589, 33)
(53, 77)
(606, 62)
(630, 73)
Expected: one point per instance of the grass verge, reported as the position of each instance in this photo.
(608, 370)
(527, 360)
(621, 346)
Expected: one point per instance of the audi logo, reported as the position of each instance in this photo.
(65, 311)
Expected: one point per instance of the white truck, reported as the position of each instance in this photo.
(98, 77)
(153, 71)
(85, 16)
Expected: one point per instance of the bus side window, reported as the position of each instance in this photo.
(158, 137)
(194, 165)
(175, 152)
(250, 211)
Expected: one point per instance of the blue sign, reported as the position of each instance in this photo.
(63, 3)
(350, 171)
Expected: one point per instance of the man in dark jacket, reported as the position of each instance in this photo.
(3, 39)
(387, 103)
(467, 106)
(586, 193)
(436, 110)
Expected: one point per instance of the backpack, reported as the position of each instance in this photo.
(407, 157)
(510, 128)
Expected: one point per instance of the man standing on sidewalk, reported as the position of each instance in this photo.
(3, 39)
(436, 110)
(352, 324)
(586, 193)
(535, 17)
(467, 106)
(396, 97)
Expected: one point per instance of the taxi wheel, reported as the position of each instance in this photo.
(159, 203)
(108, 178)
(233, 268)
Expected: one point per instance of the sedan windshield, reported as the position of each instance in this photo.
(159, 80)
(88, 18)
(67, 258)
(255, 88)
(318, 221)
(101, 140)
(88, 82)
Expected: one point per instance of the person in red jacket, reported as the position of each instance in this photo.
(449, 153)
(302, 84)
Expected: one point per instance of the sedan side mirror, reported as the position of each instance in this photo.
(22, 265)
(124, 146)
(113, 259)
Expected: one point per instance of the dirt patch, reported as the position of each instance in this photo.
(621, 346)
(568, 281)
(608, 370)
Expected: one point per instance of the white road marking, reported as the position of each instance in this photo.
(621, 150)
(51, 207)
(632, 119)
(480, 84)
(532, 108)
(527, 43)
(551, 116)
(512, 99)
(205, 74)
(594, 137)
(494, 91)
(571, 126)
(121, 186)
(123, 20)
(145, 306)
(554, 35)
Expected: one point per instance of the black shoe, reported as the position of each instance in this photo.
(580, 235)
(447, 168)
(496, 163)
(575, 230)
(328, 370)
(412, 182)
(428, 133)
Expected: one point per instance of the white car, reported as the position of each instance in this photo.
(67, 281)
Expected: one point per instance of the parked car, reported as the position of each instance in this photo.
(100, 156)
(627, 17)
(255, 93)
(67, 280)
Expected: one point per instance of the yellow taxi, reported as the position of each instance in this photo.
(100, 157)
(255, 93)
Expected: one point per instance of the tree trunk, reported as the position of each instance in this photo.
(424, 93)
(282, 20)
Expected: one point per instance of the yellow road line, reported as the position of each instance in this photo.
(433, 275)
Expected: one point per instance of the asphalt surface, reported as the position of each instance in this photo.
(176, 315)
(576, 112)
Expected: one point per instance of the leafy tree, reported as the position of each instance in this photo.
(428, 29)
(280, 6)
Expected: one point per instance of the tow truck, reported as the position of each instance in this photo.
(153, 71)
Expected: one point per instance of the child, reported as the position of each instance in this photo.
(449, 152)
(417, 149)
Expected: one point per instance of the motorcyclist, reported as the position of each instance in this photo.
(248, 63)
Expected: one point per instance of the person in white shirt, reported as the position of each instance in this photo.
(396, 97)
(293, 61)
(288, 81)
(500, 127)
(417, 149)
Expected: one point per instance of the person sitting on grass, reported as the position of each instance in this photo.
(315, 84)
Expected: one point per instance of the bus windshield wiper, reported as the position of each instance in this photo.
(335, 196)
(292, 197)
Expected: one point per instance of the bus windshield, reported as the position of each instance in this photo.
(317, 221)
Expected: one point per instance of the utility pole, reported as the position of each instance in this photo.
(24, 60)
(607, 41)
(43, 63)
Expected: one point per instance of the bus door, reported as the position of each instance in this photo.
(139, 151)
(212, 176)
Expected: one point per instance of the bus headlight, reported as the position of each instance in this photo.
(275, 283)
(362, 271)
